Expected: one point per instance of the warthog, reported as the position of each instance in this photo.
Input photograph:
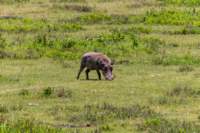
(96, 61)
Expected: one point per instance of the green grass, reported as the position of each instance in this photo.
(155, 47)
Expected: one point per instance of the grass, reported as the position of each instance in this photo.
(155, 47)
(93, 104)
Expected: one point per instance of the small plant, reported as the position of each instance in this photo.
(135, 42)
(106, 128)
(3, 54)
(181, 90)
(173, 17)
(3, 108)
(185, 68)
(2, 42)
(92, 18)
(182, 2)
(113, 38)
(48, 91)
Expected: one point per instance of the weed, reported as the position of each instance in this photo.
(99, 18)
(182, 2)
(181, 90)
(3, 54)
(189, 29)
(48, 91)
(3, 108)
(185, 68)
(13, 1)
(92, 18)
(27, 125)
(171, 17)
(98, 114)
(161, 125)
(163, 100)
(2, 42)
(137, 29)
(112, 38)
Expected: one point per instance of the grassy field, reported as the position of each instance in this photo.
(154, 43)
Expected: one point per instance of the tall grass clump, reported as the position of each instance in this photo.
(173, 17)
(189, 29)
(182, 2)
(2, 42)
(27, 125)
(13, 1)
(181, 90)
(48, 91)
(101, 114)
(179, 94)
(3, 108)
(162, 125)
(164, 59)
(78, 8)
(101, 18)
(22, 25)
(185, 68)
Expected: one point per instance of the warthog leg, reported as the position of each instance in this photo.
(87, 74)
(99, 74)
(80, 70)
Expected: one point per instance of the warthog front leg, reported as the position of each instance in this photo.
(80, 70)
(99, 74)
(87, 74)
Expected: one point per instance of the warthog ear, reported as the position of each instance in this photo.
(112, 61)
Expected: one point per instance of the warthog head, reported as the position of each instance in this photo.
(107, 72)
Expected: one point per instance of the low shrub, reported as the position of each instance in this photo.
(98, 114)
(3, 108)
(48, 91)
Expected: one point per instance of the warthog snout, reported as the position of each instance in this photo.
(107, 72)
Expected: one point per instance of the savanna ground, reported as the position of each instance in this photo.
(154, 43)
